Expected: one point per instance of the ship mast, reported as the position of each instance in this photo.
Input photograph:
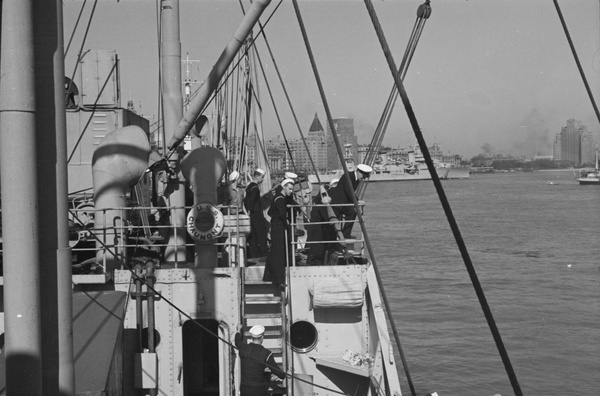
(172, 105)
(34, 180)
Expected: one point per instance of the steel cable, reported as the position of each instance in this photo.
(444, 200)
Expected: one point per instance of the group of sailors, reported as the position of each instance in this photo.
(322, 232)
(331, 223)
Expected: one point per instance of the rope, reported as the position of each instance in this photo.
(93, 112)
(285, 139)
(348, 186)
(262, 69)
(423, 13)
(287, 97)
(75, 27)
(444, 200)
(587, 86)
(87, 30)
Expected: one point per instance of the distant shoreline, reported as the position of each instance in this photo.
(557, 170)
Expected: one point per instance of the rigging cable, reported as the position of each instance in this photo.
(587, 86)
(75, 27)
(423, 13)
(87, 30)
(289, 150)
(285, 140)
(255, 93)
(445, 204)
(348, 185)
(287, 97)
(174, 148)
(93, 111)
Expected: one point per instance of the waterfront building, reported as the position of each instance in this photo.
(574, 144)
(344, 127)
(588, 149)
(316, 143)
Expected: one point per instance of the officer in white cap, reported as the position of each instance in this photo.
(364, 171)
(254, 358)
(257, 239)
(341, 194)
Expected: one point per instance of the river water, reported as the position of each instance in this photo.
(536, 250)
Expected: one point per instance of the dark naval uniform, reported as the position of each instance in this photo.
(280, 242)
(257, 240)
(319, 232)
(341, 194)
(253, 358)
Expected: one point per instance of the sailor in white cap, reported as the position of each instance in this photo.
(280, 236)
(257, 239)
(341, 194)
(257, 331)
(333, 183)
(254, 358)
(235, 200)
(290, 175)
(234, 176)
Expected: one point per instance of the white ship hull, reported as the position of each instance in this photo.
(399, 174)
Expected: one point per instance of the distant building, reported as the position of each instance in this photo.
(344, 127)
(316, 143)
(588, 149)
(574, 143)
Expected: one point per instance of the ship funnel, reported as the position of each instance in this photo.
(203, 168)
(119, 162)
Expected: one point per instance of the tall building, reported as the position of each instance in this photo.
(574, 143)
(344, 127)
(588, 149)
(316, 142)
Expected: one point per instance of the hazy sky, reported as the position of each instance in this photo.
(485, 72)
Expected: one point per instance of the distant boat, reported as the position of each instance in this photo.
(414, 169)
(589, 176)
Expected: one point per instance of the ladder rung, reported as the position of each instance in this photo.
(256, 282)
(262, 299)
(268, 333)
(263, 319)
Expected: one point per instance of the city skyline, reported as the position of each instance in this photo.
(495, 74)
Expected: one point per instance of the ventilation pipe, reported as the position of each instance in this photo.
(119, 162)
(203, 168)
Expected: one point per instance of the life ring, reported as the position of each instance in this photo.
(205, 222)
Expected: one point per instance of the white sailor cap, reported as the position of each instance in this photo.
(290, 175)
(333, 181)
(286, 181)
(257, 331)
(258, 170)
(233, 176)
(364, 168)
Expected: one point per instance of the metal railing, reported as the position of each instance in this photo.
(300, 244)
(138, 229)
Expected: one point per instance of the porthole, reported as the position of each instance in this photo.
(303, 336)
